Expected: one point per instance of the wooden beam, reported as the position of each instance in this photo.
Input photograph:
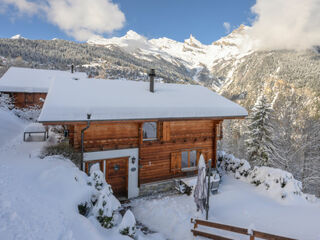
(244, 231)
(208, 235)
(222, 226)
(269, 236)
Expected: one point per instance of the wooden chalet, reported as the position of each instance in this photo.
(136, 133)
(29, 87)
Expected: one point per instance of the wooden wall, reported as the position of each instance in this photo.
(23, 100)
(155, 156)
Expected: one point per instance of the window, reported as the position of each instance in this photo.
(29, 98)
(149, 131)
(184, 159)
(219, 130)
(193, 158)
(188, 158)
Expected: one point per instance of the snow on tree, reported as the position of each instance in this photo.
(128, 224)
(309, 155)
(259, 136)
(96, 177)
(105, 208)
(104, 204)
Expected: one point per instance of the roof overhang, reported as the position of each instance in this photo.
(101, 121)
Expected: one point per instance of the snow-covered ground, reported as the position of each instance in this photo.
(39, 198)
(237, 203)
(11, 126)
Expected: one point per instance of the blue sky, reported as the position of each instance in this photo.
(175, 19)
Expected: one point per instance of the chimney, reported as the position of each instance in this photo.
(152, 74)
(72, 68)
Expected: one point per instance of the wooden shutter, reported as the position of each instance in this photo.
(175, 162)
(166, 131)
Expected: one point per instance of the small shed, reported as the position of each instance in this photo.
(29, 86)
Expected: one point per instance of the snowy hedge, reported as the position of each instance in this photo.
(277, 183)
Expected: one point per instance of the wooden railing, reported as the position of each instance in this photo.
(252, 233)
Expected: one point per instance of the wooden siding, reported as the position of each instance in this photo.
(155, 157)
(23, 100)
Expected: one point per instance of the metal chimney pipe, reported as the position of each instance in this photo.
(152, 74)
(72, 68)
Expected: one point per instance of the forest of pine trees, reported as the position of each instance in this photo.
(277, 142)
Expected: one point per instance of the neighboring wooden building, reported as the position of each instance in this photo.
(28, 86)
(138, 136)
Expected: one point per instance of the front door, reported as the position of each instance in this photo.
(117, 175)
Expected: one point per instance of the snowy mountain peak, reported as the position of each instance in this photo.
(235, 38)
(192, 41)
(18, 36)
(191, 53)
(132, 35)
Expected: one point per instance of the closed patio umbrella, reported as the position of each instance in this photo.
(201, 189)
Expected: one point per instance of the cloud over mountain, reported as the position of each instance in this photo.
(286, 24)
(80, 19)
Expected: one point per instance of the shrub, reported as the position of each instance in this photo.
(128, 224)
(84, 208)
(63, 149)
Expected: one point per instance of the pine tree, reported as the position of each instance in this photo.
(259, 136)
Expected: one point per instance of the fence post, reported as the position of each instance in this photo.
(209, 186)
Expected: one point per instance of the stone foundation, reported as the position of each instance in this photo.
(156, 187)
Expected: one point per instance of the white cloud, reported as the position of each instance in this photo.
(80, 19)
(286, 24)
(23, 6)
(227, 26)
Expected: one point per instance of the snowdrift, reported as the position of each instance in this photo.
(276, 183)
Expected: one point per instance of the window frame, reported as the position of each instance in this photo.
(189, 167)
(157, 132)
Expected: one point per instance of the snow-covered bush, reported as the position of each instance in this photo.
(30, 113)
(105, 208)
(278, 183)
(103, 205)
(128, 224)
(97, 178)
(229, 163)
(84, 208)
(63, 149)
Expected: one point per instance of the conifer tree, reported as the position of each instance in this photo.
(259, 136)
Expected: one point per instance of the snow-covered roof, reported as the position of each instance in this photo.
(32, 80)
(127, 100)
